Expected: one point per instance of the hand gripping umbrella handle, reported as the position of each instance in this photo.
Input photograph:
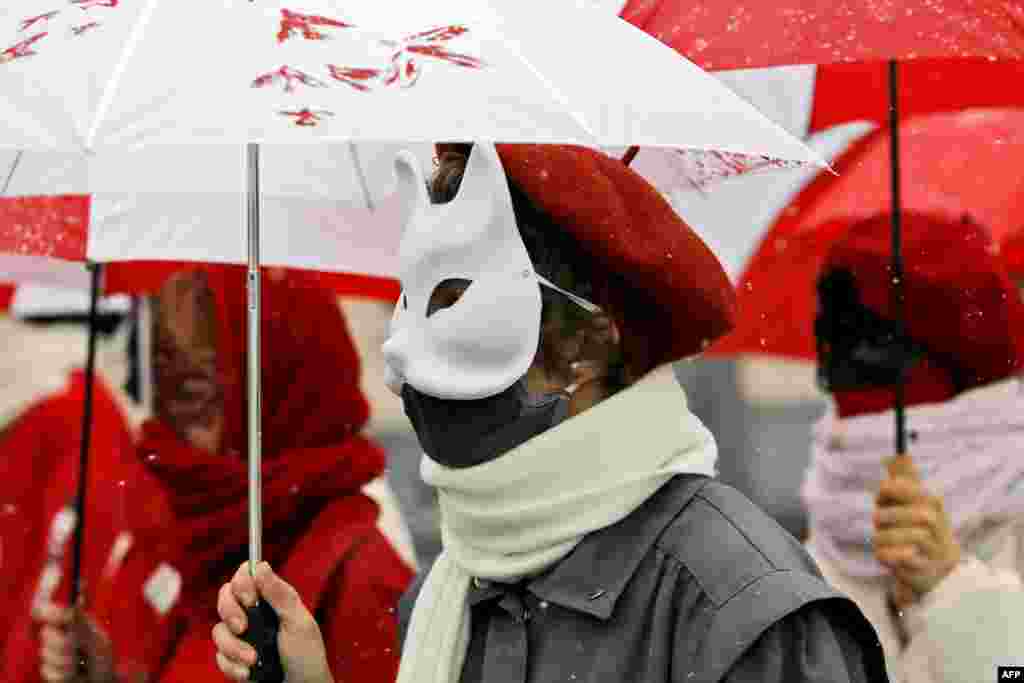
(262, 635)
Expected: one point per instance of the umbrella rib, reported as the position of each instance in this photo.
(558, 94)
(122, 64)
(10, 174)
(361, 174)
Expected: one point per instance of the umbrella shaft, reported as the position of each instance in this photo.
(897, 247)
(253, 355)
(83, 455)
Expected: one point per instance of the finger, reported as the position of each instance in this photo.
(233, 670)
(49, 613)
(244, 587)
(921, 515)
(920, 537)
(230, 610)
(901, 466)
(54, 639)
(899, 491)
(902, 594)
(231, 647)
(56, 660)
(939, 510)
(281, 595)
(52, 675)
(906, 562)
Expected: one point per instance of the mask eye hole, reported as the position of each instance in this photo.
(446, 294)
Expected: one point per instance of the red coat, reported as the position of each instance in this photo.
(41, 453)
(346, 571)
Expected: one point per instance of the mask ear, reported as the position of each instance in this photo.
(484, 179)
(411, 187)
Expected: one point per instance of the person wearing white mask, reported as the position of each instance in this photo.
(547, 290)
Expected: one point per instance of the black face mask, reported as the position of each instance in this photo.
(857, 348)
(459, 434)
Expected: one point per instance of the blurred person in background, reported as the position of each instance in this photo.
(151, 615)
(929, 543)
(43, 397)
(584, 535)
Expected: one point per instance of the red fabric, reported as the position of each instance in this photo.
(347, 573)
(6, 297)
(41, 475)
(55, 226)
(926, 86)
(926, 383)
(310, 448)
(208, 494)
(319, 530)
(959, 302)
(350, 577)
(1012, 250)
(718, 35)
(666, 289)
(942, 155)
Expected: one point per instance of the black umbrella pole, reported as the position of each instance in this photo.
(897, 248)
(83, 454)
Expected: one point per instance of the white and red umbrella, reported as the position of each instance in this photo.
(175, 98)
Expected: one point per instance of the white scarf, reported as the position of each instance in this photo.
(967, 450)
(523, 512)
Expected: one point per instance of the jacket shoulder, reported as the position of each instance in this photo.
(752, 575)
(727, 543)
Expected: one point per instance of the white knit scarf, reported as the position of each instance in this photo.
(523, 512)
(967, 450)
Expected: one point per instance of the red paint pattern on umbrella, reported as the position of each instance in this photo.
(89, 4)
(79, 30)
(355, 77)
(289, 77)
(31, 21)
(403, 68)
(293, 23)
(21, 49)
(307, 117)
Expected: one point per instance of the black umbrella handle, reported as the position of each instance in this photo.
(263, 626)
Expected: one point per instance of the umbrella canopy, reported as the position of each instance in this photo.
(40, 235)
(926, 86)
(758, 34)
(383, 70)
(962, 164)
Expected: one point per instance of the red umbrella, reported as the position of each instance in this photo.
(722, 35)
(926, 86)
(783, 32)
(962, 163)
(1013, 253)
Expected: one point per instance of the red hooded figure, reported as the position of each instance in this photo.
(41, 460)
(159, 605)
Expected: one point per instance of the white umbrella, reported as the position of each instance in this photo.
(105, 77)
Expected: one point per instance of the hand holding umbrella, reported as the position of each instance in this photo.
(913, 533)
(74, 647)
(303, 653)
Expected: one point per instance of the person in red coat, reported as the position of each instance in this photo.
(319, 527)
(41, 457)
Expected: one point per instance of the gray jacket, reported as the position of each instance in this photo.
(696, 586)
